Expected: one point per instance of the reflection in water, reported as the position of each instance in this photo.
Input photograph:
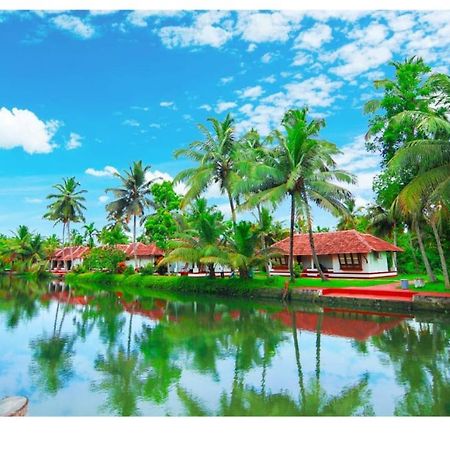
(91, 352)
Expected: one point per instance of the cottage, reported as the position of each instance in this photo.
(68, 257)
(64, 259)
(341, 254)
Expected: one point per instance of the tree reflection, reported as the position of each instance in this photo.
(419, 353)
(52, 356)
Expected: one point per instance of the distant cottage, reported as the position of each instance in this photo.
(341, 254)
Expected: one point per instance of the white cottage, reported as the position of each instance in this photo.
(341, 254)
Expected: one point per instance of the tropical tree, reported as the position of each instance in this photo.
(200, 238)
(89, 233)
(302, 168)
(243, 249)
(132, 198)
(113, 235)
(67, 205)
(161, 225)
(216, 158)
(351, 217)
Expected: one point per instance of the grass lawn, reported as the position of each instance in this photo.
(438, 286)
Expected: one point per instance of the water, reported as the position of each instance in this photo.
(92, 352)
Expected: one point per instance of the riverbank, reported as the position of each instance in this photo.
(274, 289)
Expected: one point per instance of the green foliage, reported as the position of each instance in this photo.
(129, 271)
(113, 235)
(298, 268)
(161, 225)
(149, 269)
(104, 258)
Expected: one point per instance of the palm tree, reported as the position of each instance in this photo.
(67, 205)
(89, 232)
(132, 198)
(216, 157)
(242, 249)
(350, 216)
(301, 167)
(199, 242)
(384, 223)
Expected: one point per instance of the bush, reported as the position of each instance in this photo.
(298, 269)
(129, 270)
(120, 268)
(149, 269)
(105, 258)
(79, 269)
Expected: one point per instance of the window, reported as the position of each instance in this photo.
(350, 261)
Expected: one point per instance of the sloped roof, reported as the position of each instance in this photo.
(336, 242)
(68, 253)
(76, 252)
(141, 249)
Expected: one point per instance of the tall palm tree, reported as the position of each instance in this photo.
(384, 223)
(216, 157)
(89, 232)
(132, 198)
(67, 205)
(302, 168)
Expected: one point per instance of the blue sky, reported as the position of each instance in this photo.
(86, 93)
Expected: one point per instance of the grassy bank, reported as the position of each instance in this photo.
(234, 286)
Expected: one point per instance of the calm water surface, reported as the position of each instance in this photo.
(92, 352)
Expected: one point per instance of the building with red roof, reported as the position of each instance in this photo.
(341, 254)
(64, 259)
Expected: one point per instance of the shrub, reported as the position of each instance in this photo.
(105, 258)
(149, 269)
(79, 269)
(298, 268)
(129, 270)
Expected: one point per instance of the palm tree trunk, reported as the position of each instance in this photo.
(413, 252)
(311, 237)
(212, 272)
(394, 254)
(426, 262)
(134, 242)
(70, 245)
(232, 208)
(291, 238)
(301, 384)
(441, 255)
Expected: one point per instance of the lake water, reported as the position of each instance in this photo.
(92, 352)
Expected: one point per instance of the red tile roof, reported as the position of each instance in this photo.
(80, 251)
(141, 249)
(336, 242)
(68, 253)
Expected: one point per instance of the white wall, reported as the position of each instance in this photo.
(379, 264)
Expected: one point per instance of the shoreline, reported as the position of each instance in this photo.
(262, 289)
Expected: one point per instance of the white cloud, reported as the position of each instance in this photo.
(74, 141)
(314, 38)
(22, 128)
(155, 125)
(139, 18)
(166, 104)
(74, 25)
(206, 107)
(103, 199)
(266, 58)
(224, 106)
(270, 79)
(131, 123)
(267, 26)
(252, 92)
(301, 58)
(107, 171)
(208, 28)
(251, 47)
(226, 80)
